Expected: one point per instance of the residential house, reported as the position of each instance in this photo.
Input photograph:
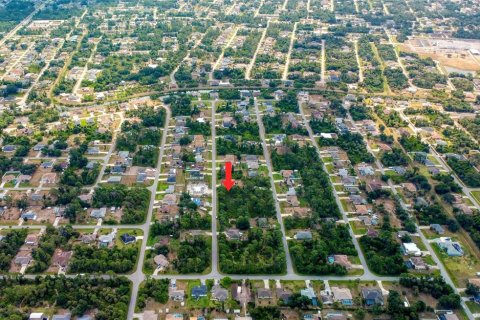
(326, 297)
(199, 291)
(61, 258)
(170, 199)
(418, 263)
(9, 148)
(264, 294)
(409, 187)
(340, 259)
(374, 185)
(49, 178)
(303, 235)
(161, 261)
(107, 239)
(342, 295)
(98, 213)
(438, 229)
(31, 240)
(127, 238)
(66, 316)
(23, 258)
(452, 248)
(372, 296)
(219, 294)
(29, 215)
(37, 316)
(176, 294)
(447, 316)
(309, 293)
(283, 294)
(233, 234)
(150, 315)
(336, 316)
(174, 316)
(293, 200)
(410, 248)
(366, 170)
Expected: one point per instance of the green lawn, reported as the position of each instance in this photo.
(476, 195)
(473, 306)
(459, 268)
(357, 227)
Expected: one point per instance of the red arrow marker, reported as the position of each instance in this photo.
(228, 182)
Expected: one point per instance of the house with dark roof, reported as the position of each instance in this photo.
(233, 234)
(61, 258)
(283, 294)
(264, 294)
(30, 215)
(219, 293)
(372, 296)
(437, 228)
(127, 238)
(199, 291)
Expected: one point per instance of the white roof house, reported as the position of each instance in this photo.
(412, 249)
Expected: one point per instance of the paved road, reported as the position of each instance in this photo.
(252, 62)
(215, 260)
(268, 161)
(137, 277)
(290, 48)
(85, 68)
(359, 62)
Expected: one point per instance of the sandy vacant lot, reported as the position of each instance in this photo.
(450, 53)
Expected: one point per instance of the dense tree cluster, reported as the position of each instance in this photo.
(397, 309)
(252, 199)
(471, 223)
(288, 103)
(360, 112)
(190, 218)
(383, 254)
(52, 238)
(87, 259)
(134, 201)
(153, 289)
(391, 118)
(413, 144)
(233, 146)
(262, 246)
(110, 297)
(314, 179)
(436, 287)
(466, 172)
(396, 78)
(193, 256)
(394, 157)
(275, 124)
(9, 247)
(431, 214)
(310, 256)
(353, 145)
